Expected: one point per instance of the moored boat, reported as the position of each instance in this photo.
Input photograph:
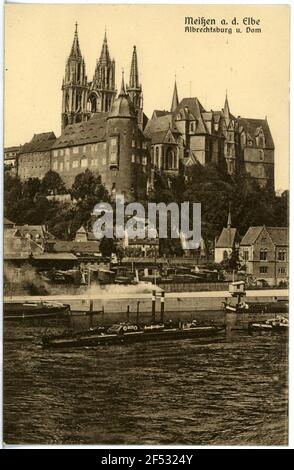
(34, 309)
(279, 324)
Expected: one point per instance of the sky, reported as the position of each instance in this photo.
(252, 67)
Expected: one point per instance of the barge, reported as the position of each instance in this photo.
(34, 309)
(127, 333)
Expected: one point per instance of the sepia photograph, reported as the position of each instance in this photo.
(145, 225)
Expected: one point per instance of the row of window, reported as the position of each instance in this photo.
(77, 149)
(264, 270)
(83, 163)
(139, 145)
(263, 255)
(91, 147)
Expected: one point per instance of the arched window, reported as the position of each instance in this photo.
(225, 255)
(157, 157)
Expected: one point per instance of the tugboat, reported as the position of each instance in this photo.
(278, 324)
(237, 289)
(128, 333)
(34, 309)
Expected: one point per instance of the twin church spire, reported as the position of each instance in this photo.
(81, 98)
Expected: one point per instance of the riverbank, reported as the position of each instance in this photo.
(129, 300)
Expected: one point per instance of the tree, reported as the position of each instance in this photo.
(31, 187)
(107, 247)
(52, 183)
(89, 187)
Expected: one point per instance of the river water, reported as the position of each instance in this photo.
(211, 391)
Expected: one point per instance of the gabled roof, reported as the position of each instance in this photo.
(39, 143)
(162, 137)
(83, 132)
(226, 238)
(278, 235)
(160, 124)
(191, 160)
(252, 128)
(251, 235)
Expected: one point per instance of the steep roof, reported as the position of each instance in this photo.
(175, 99)
(194, 106)
(226, 238)
(160, 124)
(39, 143)
(83, 132)
(250, 126)
(278, 235)
(75, 48)
(251, 235)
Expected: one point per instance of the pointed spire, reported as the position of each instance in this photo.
(229, 223)
(134, 74)
(75, 48)
(175, 100)
(226, 107)
(122, 88)
(104, 56)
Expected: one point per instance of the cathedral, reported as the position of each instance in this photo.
(108, 132)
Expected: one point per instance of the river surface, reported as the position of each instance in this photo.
(211, 391)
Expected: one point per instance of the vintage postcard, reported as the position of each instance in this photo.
(146, 247)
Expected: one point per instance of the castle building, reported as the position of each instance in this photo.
(188, 134)
(34, 158)
(111, 135)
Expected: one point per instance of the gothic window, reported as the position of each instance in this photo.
(66, 102)
(263, 254)
(260, 140)
(157, 156)
(113, 151)
(282, 255)
(225, 255)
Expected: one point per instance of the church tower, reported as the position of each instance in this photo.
(74, 86)
(102, 90)
(134, 89)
